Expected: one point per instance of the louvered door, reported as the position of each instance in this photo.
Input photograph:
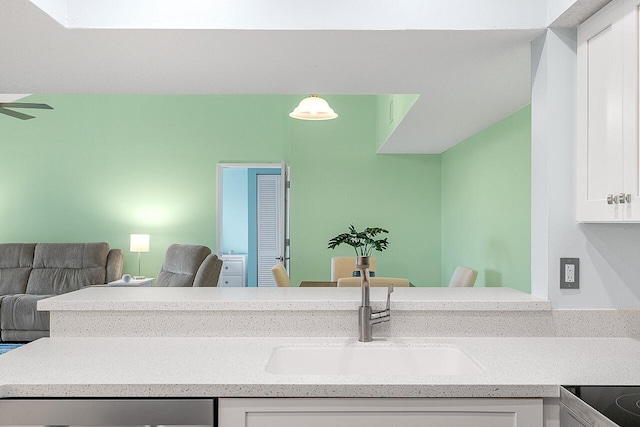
(268, 225)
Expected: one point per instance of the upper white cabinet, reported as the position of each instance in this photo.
(607, 132)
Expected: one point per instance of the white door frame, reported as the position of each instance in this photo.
(282, 166)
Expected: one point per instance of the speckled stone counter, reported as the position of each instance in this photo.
(172, 342)
(226, 367)
(105, 298)
(320, 312)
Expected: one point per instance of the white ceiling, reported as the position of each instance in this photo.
(302, 15)
(467, 80)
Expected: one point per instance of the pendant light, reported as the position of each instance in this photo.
(313, 108)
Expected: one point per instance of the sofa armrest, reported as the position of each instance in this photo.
(115, 260)
(209, 272)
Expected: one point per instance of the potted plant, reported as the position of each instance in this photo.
(363, 242)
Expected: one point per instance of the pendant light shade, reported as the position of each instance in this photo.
(313, 108)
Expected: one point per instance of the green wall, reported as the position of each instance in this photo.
(343, 181)
(486, 204)
(100, 167)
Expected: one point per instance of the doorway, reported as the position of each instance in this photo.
(253, 218)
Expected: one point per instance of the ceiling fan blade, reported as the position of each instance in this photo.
(25, 105)
(15, 114)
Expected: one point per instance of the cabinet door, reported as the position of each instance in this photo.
(599, 136)
(630, 110)
(380, 412)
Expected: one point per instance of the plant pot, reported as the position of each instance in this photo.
(362, 262)
(356, 273)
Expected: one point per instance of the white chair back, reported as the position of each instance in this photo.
(463, 277)
(374, 282)
(344, 266)
(280, 276)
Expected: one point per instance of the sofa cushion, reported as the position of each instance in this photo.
(115, 261)
(22, 336)
(18, 312)
(16, 260)
(64, 267)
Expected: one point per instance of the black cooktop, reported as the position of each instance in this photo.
(621, 404)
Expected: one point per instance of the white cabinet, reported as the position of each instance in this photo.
(379, 412)
(234, 271)
(607, 118)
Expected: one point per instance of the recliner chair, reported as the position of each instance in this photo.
(189, 266)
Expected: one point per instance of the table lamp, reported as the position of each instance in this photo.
(139, 243)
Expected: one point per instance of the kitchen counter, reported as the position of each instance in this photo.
(103, 298)
(217, 342)
(295, 312)
(225, 367)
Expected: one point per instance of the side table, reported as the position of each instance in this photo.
(133, 282)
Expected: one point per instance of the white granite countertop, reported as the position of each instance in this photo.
(102, 298)
(225, 367)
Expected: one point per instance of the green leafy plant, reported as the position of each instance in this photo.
(363, 242)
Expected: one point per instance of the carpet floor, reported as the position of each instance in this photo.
(8, 347)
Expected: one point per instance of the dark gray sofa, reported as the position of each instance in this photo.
(33, 271)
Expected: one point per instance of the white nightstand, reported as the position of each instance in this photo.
(234, 271)
(133, 282)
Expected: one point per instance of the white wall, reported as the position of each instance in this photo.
(609, 253)
(235, 210)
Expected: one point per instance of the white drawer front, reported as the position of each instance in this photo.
(231, 281)
(232, 267)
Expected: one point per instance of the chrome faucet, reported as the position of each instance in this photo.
(366, 316)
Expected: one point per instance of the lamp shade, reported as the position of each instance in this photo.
(139, 243)
(313, 108)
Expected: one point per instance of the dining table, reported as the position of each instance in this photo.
(321, 284)
(318, 284)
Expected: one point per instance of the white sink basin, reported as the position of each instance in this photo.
(372, 359)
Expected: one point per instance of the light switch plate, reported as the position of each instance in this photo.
(569, 273)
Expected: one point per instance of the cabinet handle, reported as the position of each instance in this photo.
(624, 198)
(620, 198)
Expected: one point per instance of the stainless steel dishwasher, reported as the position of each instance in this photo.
(107, 412)
(599, 406)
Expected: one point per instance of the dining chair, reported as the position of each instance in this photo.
(344, 266)
(280, 275)
(397, 282)
(463, 277)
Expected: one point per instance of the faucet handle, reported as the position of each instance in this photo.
(389, 292)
